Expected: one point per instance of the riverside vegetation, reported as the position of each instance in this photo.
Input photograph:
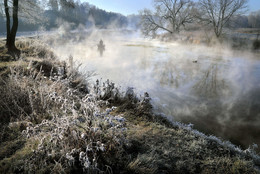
(53, 120)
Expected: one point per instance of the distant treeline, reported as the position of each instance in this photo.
(247, 21)
(56, 12)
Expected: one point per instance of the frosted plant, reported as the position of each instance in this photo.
(77, 124)
(65, 121)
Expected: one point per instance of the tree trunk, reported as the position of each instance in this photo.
(14, 27)
(7, 22)
(11, 33)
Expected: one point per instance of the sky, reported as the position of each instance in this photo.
(127, 7)
(254, 5)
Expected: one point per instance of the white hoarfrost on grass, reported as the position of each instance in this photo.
(77, 129)
(249, 152)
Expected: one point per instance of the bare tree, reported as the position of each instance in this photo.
(169, 16)
(28, 9)
(217, 13)
(11, 31)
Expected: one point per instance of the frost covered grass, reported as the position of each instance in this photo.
(71, 131)
(158, 146)
(54, 121)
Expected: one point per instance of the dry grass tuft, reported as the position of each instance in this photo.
(34, 48)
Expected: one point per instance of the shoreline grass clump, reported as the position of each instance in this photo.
(53, 120)
(65, 121)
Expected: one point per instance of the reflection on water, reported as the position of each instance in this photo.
(210, 84)
(172, 73)
(219, 92)
(220, 96)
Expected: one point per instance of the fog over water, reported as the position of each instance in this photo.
(214, 88)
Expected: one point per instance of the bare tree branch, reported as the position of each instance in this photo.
(217, 13)
(169, 16)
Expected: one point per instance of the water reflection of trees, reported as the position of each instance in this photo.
(175, 73)
(211, 84)
(216, 105)
(206, 82)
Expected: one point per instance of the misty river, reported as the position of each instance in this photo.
(214, 88)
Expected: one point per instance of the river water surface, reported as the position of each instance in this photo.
(214, 88)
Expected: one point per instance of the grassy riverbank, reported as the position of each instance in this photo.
(52, 120)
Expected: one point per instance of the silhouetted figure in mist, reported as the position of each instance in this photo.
(101, 47)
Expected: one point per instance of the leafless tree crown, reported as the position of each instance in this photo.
(217, 13)
(169, 16)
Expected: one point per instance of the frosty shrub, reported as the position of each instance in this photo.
(71, 132)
